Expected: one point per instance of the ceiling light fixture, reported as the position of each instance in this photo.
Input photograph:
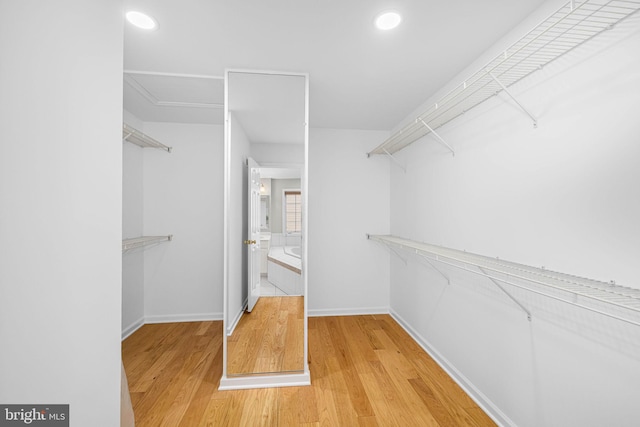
(141, 20)
(388, 20)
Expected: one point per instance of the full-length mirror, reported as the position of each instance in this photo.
(266, 141)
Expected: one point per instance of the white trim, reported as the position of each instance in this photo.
(129, 330)
(237, 318)
(265, 381)
(194, 317)
(138, 87)
(305, 228)
(480, 398)
(158, 73)
(267, 72)
(225, 216)
(322, 312)
(169, 318)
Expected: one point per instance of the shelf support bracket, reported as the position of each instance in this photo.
(433, 266)
(396, 161)
(403, 259)
(495, 282)
(391, 249)
(504, 88)
(438, 137)
(135, 243)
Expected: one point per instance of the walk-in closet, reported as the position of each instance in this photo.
(400, 212)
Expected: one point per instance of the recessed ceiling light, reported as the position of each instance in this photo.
(141, 20)
(388, 20)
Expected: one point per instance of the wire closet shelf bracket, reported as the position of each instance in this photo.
(570, 26)
(138, 242)
(138, 138)
(608, 299)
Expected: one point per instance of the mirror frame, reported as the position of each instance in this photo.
(267, 379)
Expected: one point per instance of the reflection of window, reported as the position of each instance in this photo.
(292, 211)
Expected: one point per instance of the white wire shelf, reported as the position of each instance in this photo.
(138, 242)
(138, 138)
(570, 26)
(609, 299)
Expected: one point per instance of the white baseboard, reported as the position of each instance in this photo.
(169, 318)
(480, 398)
(265, 381)
(126, 332)
(347, 311)
(194, 317)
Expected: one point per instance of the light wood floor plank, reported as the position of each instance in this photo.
(365, 371)
(347, 369)
(193, 379)
(378, 392)
(392, 369)
(260, 408)
(288, 406)
(172, 404)
(449, 393)
(149, 376)
(436, 408)
(307, 409)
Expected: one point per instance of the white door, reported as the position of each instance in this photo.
(253, 233)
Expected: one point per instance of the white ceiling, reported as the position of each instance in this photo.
(269, 107)
(360, 77)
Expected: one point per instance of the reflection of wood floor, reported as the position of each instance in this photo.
(365, 370)
(270, 338)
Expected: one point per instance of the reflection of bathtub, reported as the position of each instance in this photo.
(284, 269)
(293, 251)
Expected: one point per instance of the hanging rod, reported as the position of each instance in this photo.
(136, 137)
(570, 26)
(607, 299)
(138, 242)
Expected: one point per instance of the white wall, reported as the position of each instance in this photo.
(560, 196)
(183, 195)
(61, 196)
(348, 198)
(132, 226)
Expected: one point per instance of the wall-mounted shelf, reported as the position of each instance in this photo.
(138, 138)
(570, 26)
(138, 242)
(609, 299)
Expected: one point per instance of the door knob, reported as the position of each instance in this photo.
(249, 242)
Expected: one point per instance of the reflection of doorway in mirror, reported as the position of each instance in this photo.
(282, 273)
(270, 338)
(266, 118)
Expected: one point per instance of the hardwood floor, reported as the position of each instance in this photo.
(365, 371)
(270, 338)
